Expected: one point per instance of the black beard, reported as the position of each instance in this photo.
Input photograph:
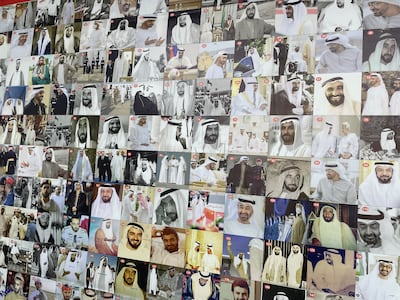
(336, 103)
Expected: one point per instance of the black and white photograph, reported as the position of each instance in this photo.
(119, 66)
(184, 27)
(292, 95)
(141, 167)
(212, 97)
(178, 99)
(42, 287)
(120, 33)
(339, 16)
(90, 64)
(210, 134)
(93, 35)
(117, 99)
(58, 131)
(278, 292)
(19, 254)
(339, 52)
(54, 163)
(47, 13)
(65, 69)
(215, 60)
(96, 10)
(334, 181)
(71, 266)
(84, 131)
(147, 98)
(110, 165)
(170, 206)
(122, 9)
(176, 135)
(113, 132)
(290, 136)
(182, 62)
(151, 30)
(149, 64)
(77, 199)
(88, 99)
(67, 38)
(173, 169)
(103, 269)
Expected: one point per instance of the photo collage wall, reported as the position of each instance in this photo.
(200, 149)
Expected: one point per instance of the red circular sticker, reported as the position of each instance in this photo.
(203, 45)
(198, 119)
(272, 200)
(365, 165)
(135, 85)
(323, 35)
(319, 78)
(238, 43)
(132, 118)
(268, 244)
(171, 14)
(370, 32)
(195, 156)
(276, 119)
(365, 208)
(139, 50)
(312, 250)
(320, 119)
(231, 158)
(312, 295)
(317, 162)
(158, 190)
(316, 204)
(235, 119)
(266, 81)
(267, 286)
(166, 84)
(228, 238)
(365, 119)
(358, 255)
(230, 196)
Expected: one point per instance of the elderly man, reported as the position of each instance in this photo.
(122, 37)
(146, 69)
(242, 223)
(43, 43)
(240, 177)
(135, 243)
(204, 173)
(170, 283)
(385, 14)
(140, 135)
(50, 168)
(83, 134)
(251, 25)
(380, 283)
(335, 187)
(82, 168)
(103, 276)
(377, 102)
(217, 69)
(331, 275)
(341, 15)
(395, 99)
(63, 72)
(290, 139)
(122, 9)
(275, 267)
(348, 144)
(36, 106)
(74, 236)
(113, 136)
(208, 138)
(72, 269)
(126, 283)
(68, 42)
(170, 208)
(324, 142)
(290, 183)
(386, 56)
(185, 31)
(327, 223)
(105, 238)
(107, 203)
(295, 21)
(375, 232)
(335, 99)
(340, 57)
(169, 253)
(180, 105)
(382, 186)
(17, 77)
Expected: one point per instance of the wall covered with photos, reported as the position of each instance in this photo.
(200, 149)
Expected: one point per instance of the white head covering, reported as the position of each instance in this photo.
(94, 110)
(323, 107)
(110, 210)
(374, 59)
(77, 141)
(119, 138)
(393, 2)
(292, 26)
(337, 167)
(179, 198)
(182, 35)
(373, 215)
(53, 158)
(14, 133)
(69, 42)
(256, 14)
(86, 172)
(96, 9)
(43, 42)
(201, 133)
(326, 237)
(281, 180)
(281, 295)
(297, 135)
(386, 144)
(122, 288)
(338, 38)
(219, 54)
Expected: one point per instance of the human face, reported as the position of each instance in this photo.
(129, 276)
(134, 237)
(245, 211)
(69, 31)
(171, 272)
(295, 86)
(10, 126)
(39, 96)
(240, 293)
(222, 60)
(396, 85)
(180, 53)
(108, 224)
(38, 285)
(48, 155)
(334, 93)
(41, 60)
(250, 11)
(180, 87)
(374, 81)
(66, 294)
(125, 5)
(378, 8)
(17, 64)
(182, 21)
(22, 39)
(212, 133)
(369, 232)
(292, 180)
(114, 126)
(388, 50)
(287, 133)
(170, 242)
(73, 257)
(289, 12)
(335, 48)
(331, 174)
(75, 224)
(58, 191)
(170, 210)
(122, 25)
(62, 58)
(328, 214)
(82, 130)
(86, 97)
(46, 190)
(106, 194)
(385, 269)
(18, 285)
(340, 3)
(384, 174)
